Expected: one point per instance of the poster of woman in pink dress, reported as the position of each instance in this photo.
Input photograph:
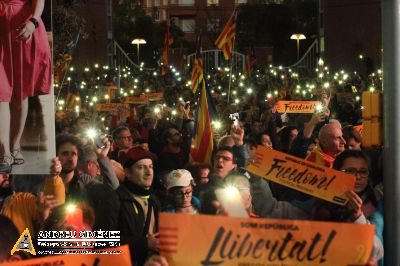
(26, 98)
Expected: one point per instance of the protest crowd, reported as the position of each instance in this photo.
(137, 163)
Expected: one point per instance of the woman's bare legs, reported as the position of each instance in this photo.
(5, 154)
(19, 112)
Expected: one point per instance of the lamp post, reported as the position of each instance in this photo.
(138, 42)
(298, 37)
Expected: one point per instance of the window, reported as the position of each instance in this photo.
(156, 2)
(241, 1)
(212, 2)
(186, 2)
(188, 25)
(213, 24)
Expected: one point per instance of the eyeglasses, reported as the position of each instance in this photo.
(183, 194)
(362, 172)
(125, 137)
(225, 158)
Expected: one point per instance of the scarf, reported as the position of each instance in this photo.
(137, 190)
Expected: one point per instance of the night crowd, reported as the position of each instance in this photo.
(138, 163)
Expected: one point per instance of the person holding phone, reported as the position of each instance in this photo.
(25, 71)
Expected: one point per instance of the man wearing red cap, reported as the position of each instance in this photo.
(137, 207)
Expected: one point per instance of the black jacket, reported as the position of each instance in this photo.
(131, 223)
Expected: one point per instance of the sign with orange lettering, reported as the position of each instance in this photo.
(110, 106)
(310, 178)
(221, 240)
(295, 107)
(137, 100)
(94, 257)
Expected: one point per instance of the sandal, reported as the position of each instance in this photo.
(6, 164)
(17, 157)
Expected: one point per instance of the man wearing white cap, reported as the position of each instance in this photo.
(179, 184)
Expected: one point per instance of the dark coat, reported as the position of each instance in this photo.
(131, 223)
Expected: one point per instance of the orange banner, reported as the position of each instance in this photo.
(110, 106)
(155, 96)
(137, 100)
(116, 256)
(311, 178)
(221, 240)
(296, 107)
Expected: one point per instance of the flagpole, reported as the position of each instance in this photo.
(230, 68)
(230, 71)
(62, 82)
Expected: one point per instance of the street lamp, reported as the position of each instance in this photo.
(138, 42)
(298, 37)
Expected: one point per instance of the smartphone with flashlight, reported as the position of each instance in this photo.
(99, 142)
(231, 201)
(187, 104)
(235, 118)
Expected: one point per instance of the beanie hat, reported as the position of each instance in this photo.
(129, 157)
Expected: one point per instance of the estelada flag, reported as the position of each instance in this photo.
(168, 40)
(227, 37)
(250, 62)
(202, 138)
(197, 71)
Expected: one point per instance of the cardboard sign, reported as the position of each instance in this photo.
(296, 107)
(307, 177)
(110, 106)
(155, 96)
(116, 256)
(137, 100)
(221, 240)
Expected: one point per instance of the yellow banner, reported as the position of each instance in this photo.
(110, 106)
(296, 107)
(221, 240)
(137, 100)
(116, 256)
(311, 178)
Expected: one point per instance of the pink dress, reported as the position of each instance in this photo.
(25, 66)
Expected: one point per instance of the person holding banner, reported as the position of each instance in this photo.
(365, 204)
(25, 71)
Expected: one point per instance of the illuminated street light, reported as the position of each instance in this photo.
(138, 42)
(298, 37)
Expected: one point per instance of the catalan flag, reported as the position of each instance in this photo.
(168, 40)
(227, 37)
(250, 62)
(197, 71)
(202, 139)
(67, 58)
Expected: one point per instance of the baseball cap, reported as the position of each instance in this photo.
(179, 178)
